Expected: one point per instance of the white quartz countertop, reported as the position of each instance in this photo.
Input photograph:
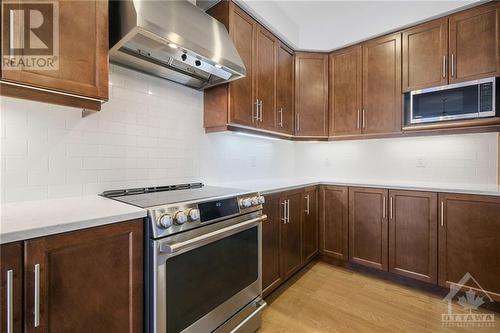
(277, 185)
(31, 219)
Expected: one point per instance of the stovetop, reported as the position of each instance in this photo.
(164, 195)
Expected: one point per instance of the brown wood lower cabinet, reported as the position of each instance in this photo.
(271, 243)
(333, 233)
(87, 281)
(469, 241)
(413, 234)
(11, 284)
(368, 227)
(310, 224)
(289, 236)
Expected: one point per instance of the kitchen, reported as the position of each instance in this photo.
(330, 189)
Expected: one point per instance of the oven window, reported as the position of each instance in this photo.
(200, 280)
(450, 102)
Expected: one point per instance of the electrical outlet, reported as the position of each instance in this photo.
(420, 162)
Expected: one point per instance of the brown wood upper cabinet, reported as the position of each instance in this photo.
(475, 43)
(413, 234)
(252, 101)
(11, 288)
(81, 76)
(425, 55)
(334, 213)
(285, 73)
(311, 95)
(469, 241)
(382, 99)
(368, 227)
(461, 47)
(265, 64)
(94, 274)
(310, 224)
(345, 91)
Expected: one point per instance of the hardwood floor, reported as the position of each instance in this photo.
(327, 298)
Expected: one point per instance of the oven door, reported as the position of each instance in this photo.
(205, 276)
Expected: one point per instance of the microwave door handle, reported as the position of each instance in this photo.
(211, 236)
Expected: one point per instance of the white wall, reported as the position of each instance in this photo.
(151, 133)
(450, 160)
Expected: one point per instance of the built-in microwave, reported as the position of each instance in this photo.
(464, 100)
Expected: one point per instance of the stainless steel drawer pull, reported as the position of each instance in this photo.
(383, 207)
(10, 301)
(307, 204)
(36, 304)
(390, 207)
(442, 213)
(284, 211)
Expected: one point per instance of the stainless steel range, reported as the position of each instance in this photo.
(203, 261)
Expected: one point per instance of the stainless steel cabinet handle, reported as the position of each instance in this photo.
(297, 126)
(452, 65)
(444, 66)
(256, 116)
(288, 211)
(280, 111)
(364, 118)
(390, 207)
(383, 207)
(260, 107)
(284, 212)
(307, 204)
(358, 120)
(10, 301)
(36, 310)
(442, 213)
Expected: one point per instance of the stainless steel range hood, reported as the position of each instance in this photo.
(173, 39)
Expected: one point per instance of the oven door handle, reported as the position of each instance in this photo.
(211, 236)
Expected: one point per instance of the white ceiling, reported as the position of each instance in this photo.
(327, 25)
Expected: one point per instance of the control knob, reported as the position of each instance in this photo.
(262, 200)
(180, 218)
(255, 201)
(245, 203)
(165, 221)
(193, 214)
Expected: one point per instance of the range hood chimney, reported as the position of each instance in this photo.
(173, 39)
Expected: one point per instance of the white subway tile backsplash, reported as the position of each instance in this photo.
(151, 133)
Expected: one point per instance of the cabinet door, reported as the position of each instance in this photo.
(291, 249)
(271, 274)
(310, 224)
(83, 53)
(11, 284)
(469, 241)
(242, 98)
(425, 52)
(311, 94)
(368, 227)
(334, 221)
(345, 91)
(413, 234)
(265, 77)
(474, 43)
(87, 281)
(284, 89)
(382, 97)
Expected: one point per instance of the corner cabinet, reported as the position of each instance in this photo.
(469, 241)
(334, 217)
(83, 281)
(311, 95)
(81, 76)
